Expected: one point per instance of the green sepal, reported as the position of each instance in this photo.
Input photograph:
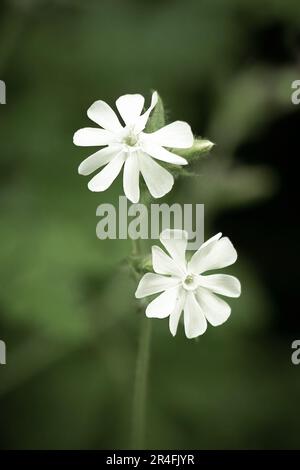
(157, 118)
(140, 264)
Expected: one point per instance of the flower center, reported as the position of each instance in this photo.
(130, 139)
(190, 282)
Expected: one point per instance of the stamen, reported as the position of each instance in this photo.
(191, 282)
(189, 279)
(130, 139)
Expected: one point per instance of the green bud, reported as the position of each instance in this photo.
(199, 148)
(140, 264)
(146, 264)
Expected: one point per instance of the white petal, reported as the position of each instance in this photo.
(162, 306)
(222, 284)
(194, 320)
(178, 134)
(130, 107)
(163, 264)
(101, 113)
(216, 310)
(131, 178)
(105, 178)
(158, 180)
(98, 159)
(91, 136)
(176, 313)
(142, 120)
(212, 239)
(175, 241)
(215, 255)
(162, 154)
(153, 283)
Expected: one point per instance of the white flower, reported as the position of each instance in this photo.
(183, 285)
(129, 146)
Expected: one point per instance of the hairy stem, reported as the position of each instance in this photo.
(140, 388)
(141, 375)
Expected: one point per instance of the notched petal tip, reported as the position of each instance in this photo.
(137, 293)
(173, 328)
(194, 336)
(184, 161)
(93, 188)
(155, 248)
(94, 106)
(232, 249)
(133, 200)
(140, 291)
(238, 288)
(173, 234)
(161, 194)
(81, 170)
(154, 97)
(76, 138)
(189, 134)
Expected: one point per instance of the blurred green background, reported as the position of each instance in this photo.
(67, 309)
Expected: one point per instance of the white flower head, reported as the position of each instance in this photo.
(128, 145)
(183, 286)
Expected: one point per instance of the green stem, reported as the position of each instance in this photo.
(136, 247)
(140, 388)
(141, 375)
